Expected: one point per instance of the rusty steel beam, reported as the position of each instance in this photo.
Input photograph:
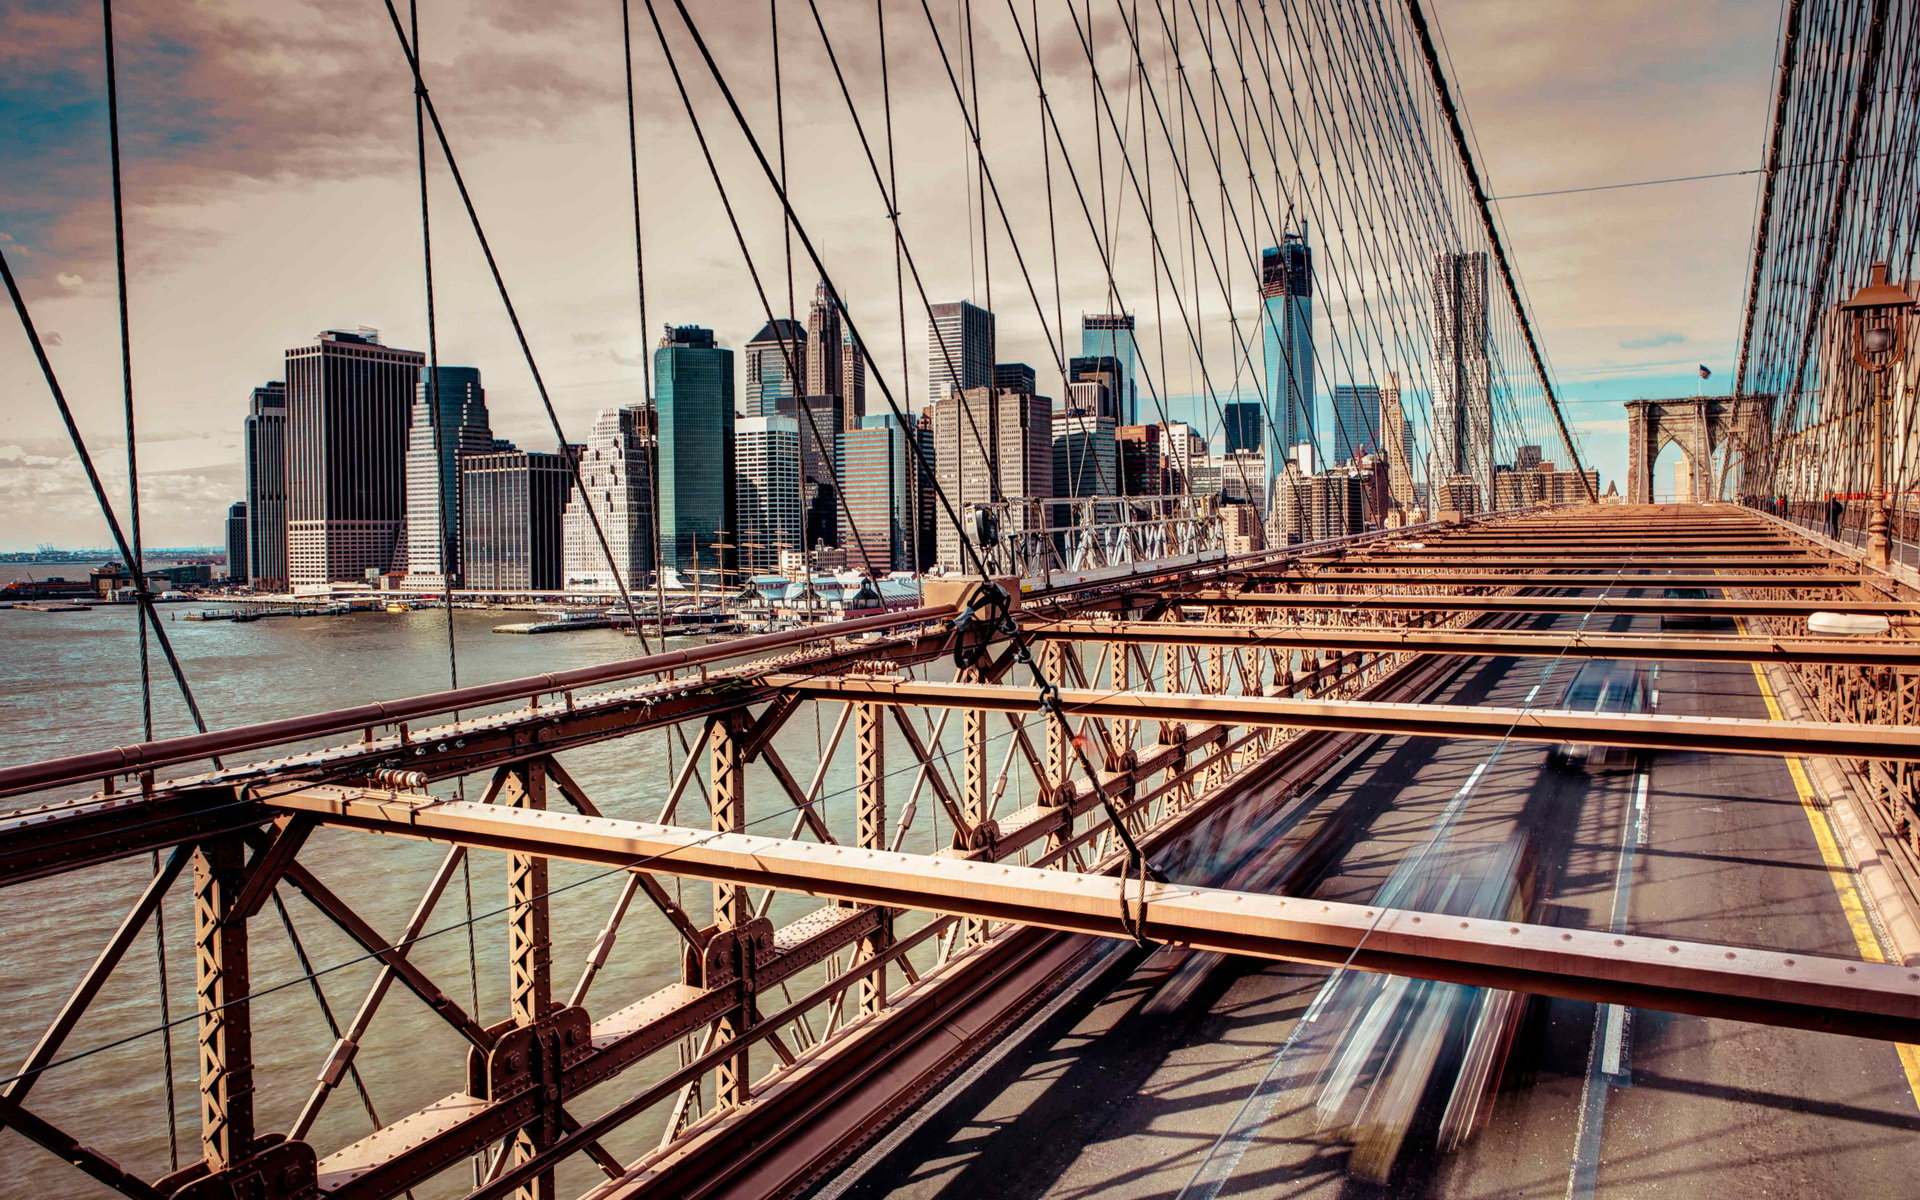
(1655, 605)
(1590, 563)
(1727, 735)
(120, 760)
(1796, 990)
(1724, 648)
(1421, 577)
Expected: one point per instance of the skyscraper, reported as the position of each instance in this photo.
(834, 364)
(266, 468)
(776, 366)
(1245, 425)
(511, 505)
(348, 399)
(820, 421)
(1107, 371)
(1397, 442)
(768, 481)
(1356, 421)
(1111, 335)
(960, 347)
(237, 541)
(878, 471)
(693, 384)
(990, 445)
(616, 477)
(1086, 454)
(449, 420)
(1462, 399)
(1286, 288)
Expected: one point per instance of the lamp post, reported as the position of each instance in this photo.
(1878, 316)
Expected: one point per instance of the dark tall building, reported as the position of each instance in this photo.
(1356, 421)
(348, 399)
(237, 542)
(1106, 371)
(1462, 391)
(1286, 289)
(266, 467)
(510, 507)
(776, 366)
(834, 364)
(1143, 461)
(1244, 425)
(693, 402)
(1015, 377)
(819, 421)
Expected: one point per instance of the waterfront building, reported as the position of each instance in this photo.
(1111, 336)
(1462, 396)
(1527, 458)
(265, 435)
(1356, 421)
(1244, 425)
(820, 420)
(693, 384)
(768, 504)
(1286, 323)
(237, 542)
(348, 400)
(511, 519)
(879, 473)
(960, 345)
(991, 446)
(616, 480)
(776, 365)
(449, 420)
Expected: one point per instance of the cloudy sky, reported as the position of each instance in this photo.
(269, 176)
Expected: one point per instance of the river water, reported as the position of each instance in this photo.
(68, 682)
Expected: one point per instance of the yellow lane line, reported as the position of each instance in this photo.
(1841, 874)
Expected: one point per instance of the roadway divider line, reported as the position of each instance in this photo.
(1839, 872)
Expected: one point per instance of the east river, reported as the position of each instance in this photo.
(69, 682)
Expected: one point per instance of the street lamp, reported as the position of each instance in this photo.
(1878, 315)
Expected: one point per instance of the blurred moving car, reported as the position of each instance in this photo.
(1403, 1070)
(1603, 687)
(1702, 619)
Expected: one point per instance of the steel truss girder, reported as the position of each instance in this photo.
(1423, 576)
(1725, 648)
(1800, 991)
(1516, 604)
(1727, 735)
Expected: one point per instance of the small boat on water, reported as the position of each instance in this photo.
(399, 606)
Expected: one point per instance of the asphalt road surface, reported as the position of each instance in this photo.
(1161, 1076)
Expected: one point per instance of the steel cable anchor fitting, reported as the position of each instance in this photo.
(992, 598)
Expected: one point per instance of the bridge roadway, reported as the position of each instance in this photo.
(1161, 1072)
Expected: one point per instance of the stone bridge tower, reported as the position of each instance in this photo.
(1714, 432)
